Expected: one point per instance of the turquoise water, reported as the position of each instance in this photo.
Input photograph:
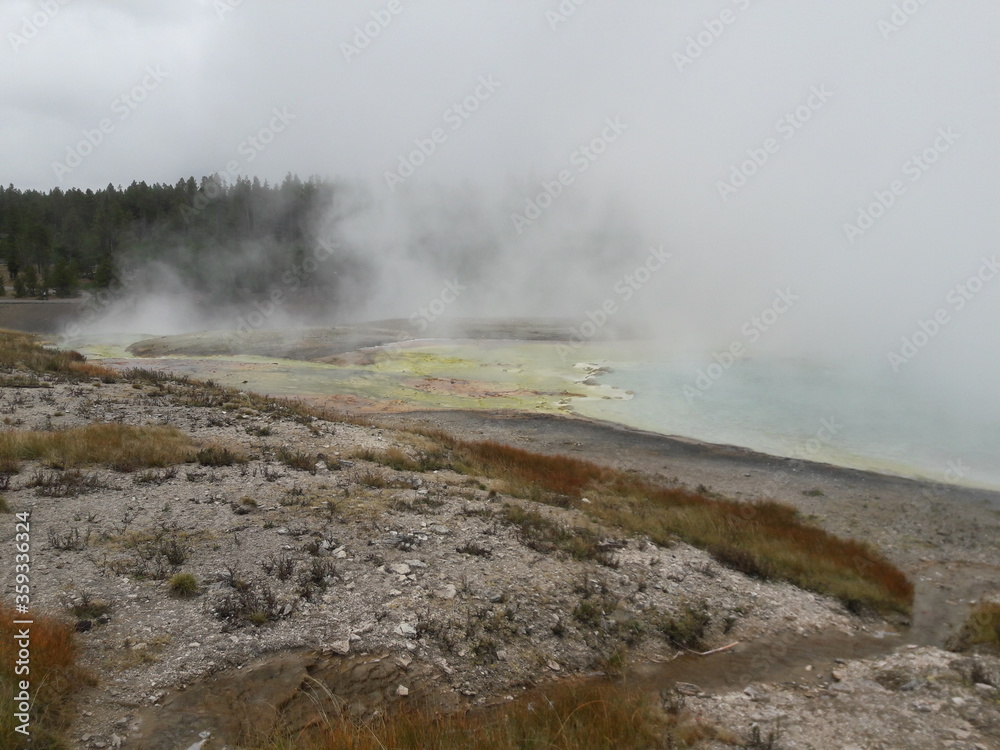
(815, 411)
(819, 411)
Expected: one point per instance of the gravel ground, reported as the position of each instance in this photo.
(419, 570)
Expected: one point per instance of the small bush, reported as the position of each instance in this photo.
(297, 460)
(687, 629)
(90, 609)
(249, 604)
(588, 612)
(218, 455)
(64, 483)
(282, 567)
(980, 629)
(183, 585)
(373, 479)
(544, 535)
(156, 477)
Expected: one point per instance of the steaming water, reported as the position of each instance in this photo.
(785, 407)
(812, 411)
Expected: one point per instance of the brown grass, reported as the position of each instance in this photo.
(572, 715)
(764, 539)
(123, 447)
(20, 353)
(54, 678)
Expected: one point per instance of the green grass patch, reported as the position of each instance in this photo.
(546, 536)
(183, 585)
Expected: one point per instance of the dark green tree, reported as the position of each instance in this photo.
(13, 257)
(105, 272)
(64, 278)
(31, 282)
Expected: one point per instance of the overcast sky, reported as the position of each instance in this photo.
(744, 135)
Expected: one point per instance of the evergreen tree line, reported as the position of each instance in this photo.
(221, 239)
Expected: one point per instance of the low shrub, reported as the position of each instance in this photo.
(981, 629)
(183, 585)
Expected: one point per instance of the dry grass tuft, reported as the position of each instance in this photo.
(572, 715)
(20, 353)
(123, 447)
(766, 539)
(54, 677)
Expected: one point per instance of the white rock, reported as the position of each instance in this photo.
(402, 690)
(400, 569)
(404, 628)
(447, 592)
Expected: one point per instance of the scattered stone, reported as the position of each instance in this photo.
(341, 647)
(405, 629)
(687, 688)
(447, 592)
